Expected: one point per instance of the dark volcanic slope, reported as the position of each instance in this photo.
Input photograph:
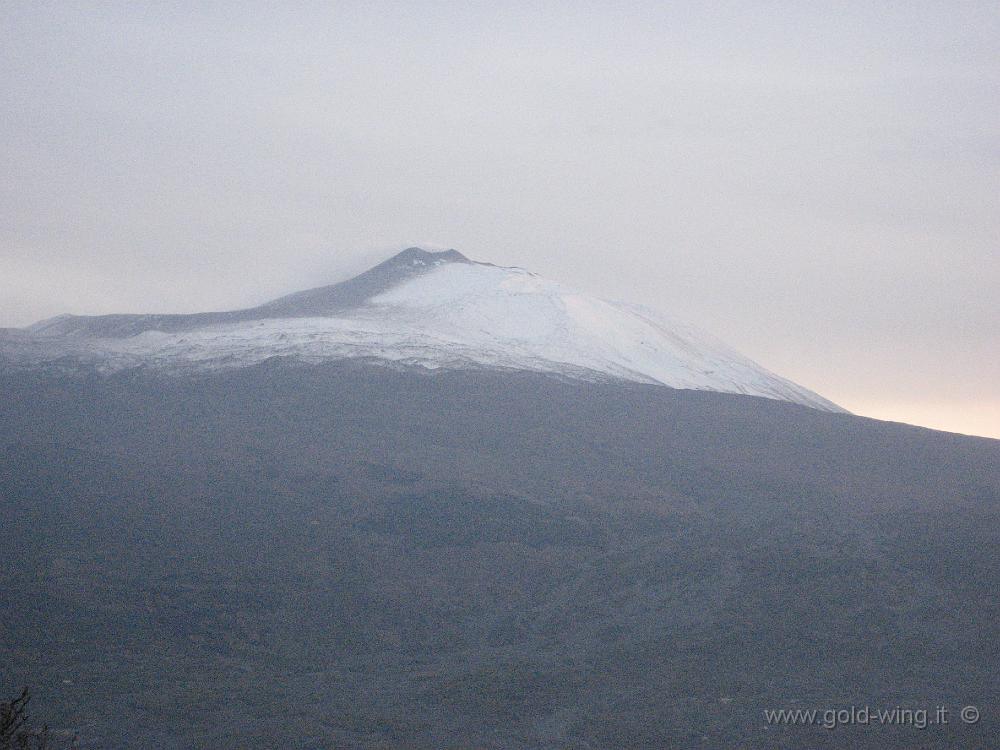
(356, 557)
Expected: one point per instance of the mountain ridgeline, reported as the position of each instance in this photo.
(324, 300)
(418, 309)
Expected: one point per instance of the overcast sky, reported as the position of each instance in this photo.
(816, 183)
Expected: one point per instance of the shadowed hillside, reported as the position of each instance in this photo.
(351, 556)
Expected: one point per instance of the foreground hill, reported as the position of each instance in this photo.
(346, 555)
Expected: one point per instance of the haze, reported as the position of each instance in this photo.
(818, 185)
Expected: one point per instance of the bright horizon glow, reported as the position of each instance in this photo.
(978, 418)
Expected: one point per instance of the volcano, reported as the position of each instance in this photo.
(432, 310)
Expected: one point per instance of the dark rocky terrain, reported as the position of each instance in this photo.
(352, 556)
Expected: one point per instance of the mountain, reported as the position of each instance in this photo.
(450, 505)
(434, 310)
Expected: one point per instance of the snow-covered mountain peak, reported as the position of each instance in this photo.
(418, 309)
